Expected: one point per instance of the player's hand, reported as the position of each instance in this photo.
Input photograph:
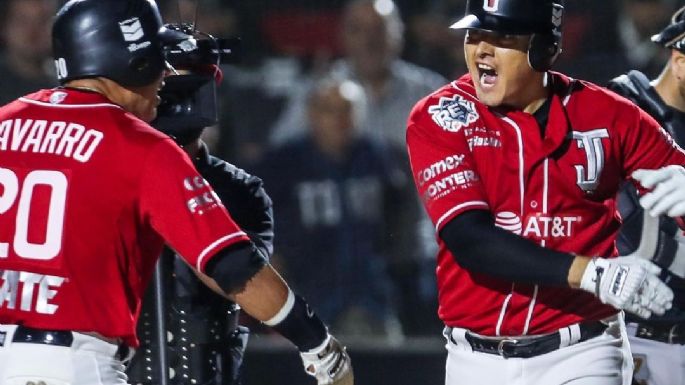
(668, 190)
(329, 363)
(628, 283)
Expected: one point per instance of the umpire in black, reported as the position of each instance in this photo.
(205, 344)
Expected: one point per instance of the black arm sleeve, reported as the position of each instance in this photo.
(233, 266)
(481, 247)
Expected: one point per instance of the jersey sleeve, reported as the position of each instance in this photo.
(646, 145)
(443, 166)
(183, 208)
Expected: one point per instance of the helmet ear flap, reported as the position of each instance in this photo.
(543, 51)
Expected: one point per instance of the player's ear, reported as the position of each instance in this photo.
(678, 64)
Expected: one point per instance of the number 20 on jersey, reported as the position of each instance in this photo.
(19, 194)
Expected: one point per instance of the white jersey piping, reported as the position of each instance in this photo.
(519, 139)
(214, 244)
(459, 207)
(44, 104)
(503, 310)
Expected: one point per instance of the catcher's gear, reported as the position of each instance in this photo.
(121, 40)
(668, 190)
(541, 19)
(628, 283)
(673, 36)
(329, 363)
(189, 100)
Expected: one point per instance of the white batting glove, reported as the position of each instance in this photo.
(628, 283)
(668, 190)
(329, 363)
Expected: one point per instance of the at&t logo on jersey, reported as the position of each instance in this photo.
(453, 113)
(508, 221)
(539, 225)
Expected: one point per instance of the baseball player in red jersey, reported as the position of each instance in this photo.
(518, 167)
(90, 193)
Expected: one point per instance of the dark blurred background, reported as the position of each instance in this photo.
(316, 105)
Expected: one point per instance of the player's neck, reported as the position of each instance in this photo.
(91, 85)
(668, 88)
(536, 96)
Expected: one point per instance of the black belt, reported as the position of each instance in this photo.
(64, 338)
(510, 347)
(668, 333)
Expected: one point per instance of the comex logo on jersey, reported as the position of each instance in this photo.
(537, 225)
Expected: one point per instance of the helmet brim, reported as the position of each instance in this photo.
(467, 22)
(674, 32)
(496, 24)
(171, 36)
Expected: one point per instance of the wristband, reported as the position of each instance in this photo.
(298, 323)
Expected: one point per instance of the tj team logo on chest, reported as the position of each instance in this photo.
(587, 177)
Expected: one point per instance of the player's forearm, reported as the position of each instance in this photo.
(264, 294)
(243, 275)
(481, 247)
(575, 273)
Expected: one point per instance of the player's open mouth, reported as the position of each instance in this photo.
(488, 75)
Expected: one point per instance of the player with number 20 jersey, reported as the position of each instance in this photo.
(70, 138)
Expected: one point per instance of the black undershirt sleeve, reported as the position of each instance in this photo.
(233, 266)
(481, 247)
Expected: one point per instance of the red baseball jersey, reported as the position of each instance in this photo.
(89, 195)
(558, 191)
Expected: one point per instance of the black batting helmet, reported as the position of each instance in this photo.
(121, 40)
(673, 36)
(540, 18)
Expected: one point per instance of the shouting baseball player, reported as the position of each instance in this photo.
(89, 194)
(658, 343)
(518, 167)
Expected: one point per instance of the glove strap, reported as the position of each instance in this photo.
(599, 272)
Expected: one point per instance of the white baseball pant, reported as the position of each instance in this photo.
(602, 360)
(656, 363)
(88, 361)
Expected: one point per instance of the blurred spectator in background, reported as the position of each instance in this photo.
(336, 193)
(214, 17)
(638, 21)
(372, 35)
(26, 61)
(432, 45)
(372, 39)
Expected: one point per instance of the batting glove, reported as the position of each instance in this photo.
(628, 283)
(668, 190)
(329, 363)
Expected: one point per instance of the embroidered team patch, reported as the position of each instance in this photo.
(453, 113)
